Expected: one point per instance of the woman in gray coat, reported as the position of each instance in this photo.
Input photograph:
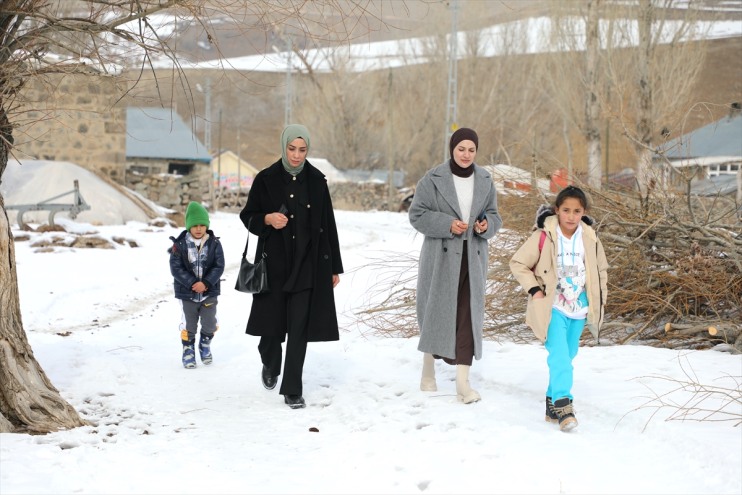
(455, 208)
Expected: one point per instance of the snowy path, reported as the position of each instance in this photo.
(158, 428)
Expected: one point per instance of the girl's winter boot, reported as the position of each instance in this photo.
(565, 413)
(551, 415)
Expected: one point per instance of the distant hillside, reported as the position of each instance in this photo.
(380, 21)
(252, 107)
(247, 107)
(252, 103)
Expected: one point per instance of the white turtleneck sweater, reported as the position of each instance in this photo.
(465, 194)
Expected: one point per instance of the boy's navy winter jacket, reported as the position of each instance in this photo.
(182, 270)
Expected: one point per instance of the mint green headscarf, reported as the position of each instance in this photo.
(290, 133)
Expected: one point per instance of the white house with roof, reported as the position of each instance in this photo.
(231, 171)
(508, 177)
(332, 173)
(710, 155)
(709, 151)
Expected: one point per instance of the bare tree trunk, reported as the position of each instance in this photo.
(592, 105)
(28, 400)
(568, 146)
(391, 203)
(644, 124)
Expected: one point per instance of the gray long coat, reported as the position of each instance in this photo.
(434, 206)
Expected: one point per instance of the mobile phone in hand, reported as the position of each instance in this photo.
(283, 210)
(482, 216)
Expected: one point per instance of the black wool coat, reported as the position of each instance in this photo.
(268, 315)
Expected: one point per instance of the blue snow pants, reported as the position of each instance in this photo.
(562, 342)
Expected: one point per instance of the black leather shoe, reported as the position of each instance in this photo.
(294, 401)
(269, 381)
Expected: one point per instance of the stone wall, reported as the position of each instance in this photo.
(365, 196)
(73, 118)
(171, 191)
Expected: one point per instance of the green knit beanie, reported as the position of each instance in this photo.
(196, 215)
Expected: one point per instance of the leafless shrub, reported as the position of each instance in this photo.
(690, 400)
(390, 310)
(669, 263)
(666, 267)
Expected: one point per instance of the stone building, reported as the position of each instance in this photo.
(73, 118)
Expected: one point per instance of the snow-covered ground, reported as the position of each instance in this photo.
(104, 325)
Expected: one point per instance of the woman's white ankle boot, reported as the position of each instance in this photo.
(427, 382)
(464, 392)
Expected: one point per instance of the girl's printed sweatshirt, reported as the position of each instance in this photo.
(570, 298)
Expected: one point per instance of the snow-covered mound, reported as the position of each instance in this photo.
(34, 181)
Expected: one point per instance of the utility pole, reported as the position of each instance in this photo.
(287, 103)
(239, 166)
(219, 164)
(207, 138)
(207, 119)
(452, 80)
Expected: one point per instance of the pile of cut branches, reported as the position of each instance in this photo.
(676, 269)
(675, 277)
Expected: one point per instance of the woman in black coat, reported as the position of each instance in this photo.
(290, 210)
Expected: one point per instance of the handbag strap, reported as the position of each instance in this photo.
(247, 242)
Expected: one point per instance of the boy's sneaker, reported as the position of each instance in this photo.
(204, 350)
(551, 415)
(565, 414)
(189, 355)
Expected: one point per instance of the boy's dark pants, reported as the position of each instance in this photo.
(297, 309)
(192, 312)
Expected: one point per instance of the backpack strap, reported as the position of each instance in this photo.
(541, 241)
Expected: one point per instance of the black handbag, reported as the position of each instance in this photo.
(253, 277)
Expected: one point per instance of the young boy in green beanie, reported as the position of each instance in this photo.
(197, 264)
